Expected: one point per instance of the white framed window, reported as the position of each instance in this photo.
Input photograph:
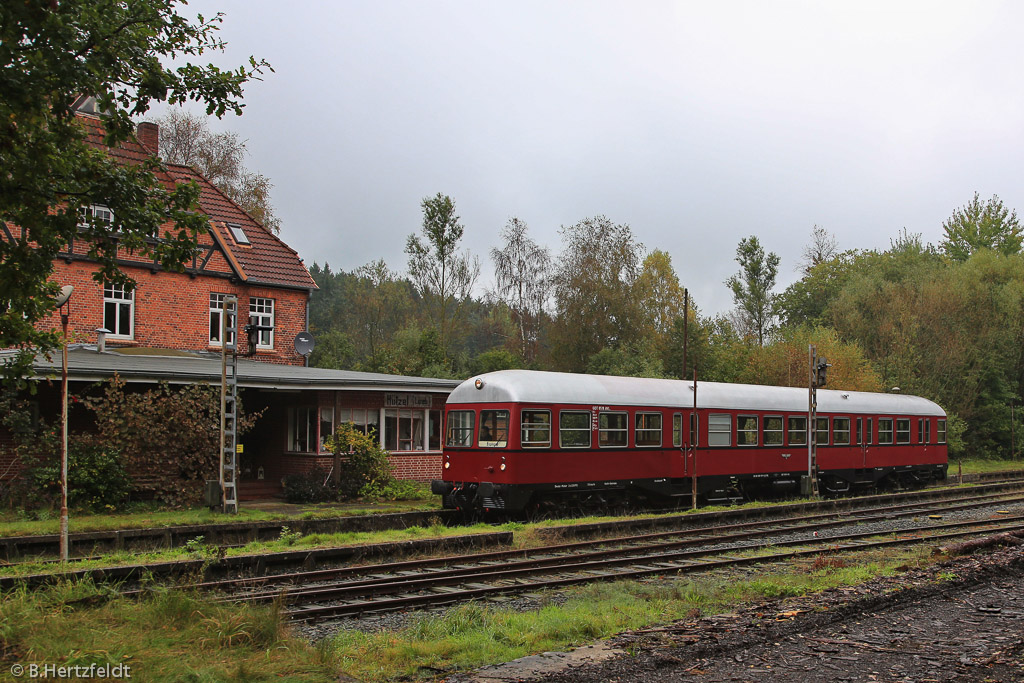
(326, 424)
(940, 431)
(797, 430)
(573, 429)
(536, 425)
(460, 428)
(216, 319)
(885, 430)
(119, 311)
(746, 430)
(841, 431)
(238, 233)
(648, 429)
(822, 437)
(301, 429)
(261, 312)
(99, 212)
(720, 429)
(902, 430)
(772, 432)
(677, 430)
(362, 419)
(612, 430)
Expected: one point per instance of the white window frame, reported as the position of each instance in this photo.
(119, 297)
(719, 426)
(890, 427)
(779, 434)
(824, 434)
(302, 429)
(326, 425)
(836, 431)
(262, 309)
(799, 432)
(642, 423)
(677, 430)
(101, 212)
(603, 431)
(216, 321)
(562, 429)
(459, 429)
(940, 431)
(742, 429)
(532, 428)
(903, 435)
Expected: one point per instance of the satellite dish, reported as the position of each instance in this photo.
(65, 294)
(304, 343)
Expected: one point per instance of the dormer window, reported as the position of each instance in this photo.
(238, 233)
(99, 212)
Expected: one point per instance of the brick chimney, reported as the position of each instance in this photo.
(149, 136)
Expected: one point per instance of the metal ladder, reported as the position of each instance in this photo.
(229, 405)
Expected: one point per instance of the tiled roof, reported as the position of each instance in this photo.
(266, 260)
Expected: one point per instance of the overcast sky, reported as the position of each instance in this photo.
(695, 123)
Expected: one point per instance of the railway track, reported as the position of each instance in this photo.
(352, 591)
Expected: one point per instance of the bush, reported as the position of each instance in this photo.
(309, 487)
(365, 470)
(97, 479)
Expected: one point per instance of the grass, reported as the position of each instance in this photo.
(288, 540)
(981, 466)
(39, 522)
(176, 636)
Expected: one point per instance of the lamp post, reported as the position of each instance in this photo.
(62, 301)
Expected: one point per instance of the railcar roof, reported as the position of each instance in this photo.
(531, 386)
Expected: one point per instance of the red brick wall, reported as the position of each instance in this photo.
(172, 310)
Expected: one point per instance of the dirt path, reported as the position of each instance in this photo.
(908, 628)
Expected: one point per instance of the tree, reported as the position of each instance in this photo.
(186, 139)
(50, 54)
(823, 247)
(660, 298)
(981, 226)
(443, 277)
(752, 287)
(522, 270)
(594, 305)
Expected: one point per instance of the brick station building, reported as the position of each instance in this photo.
(168, 328)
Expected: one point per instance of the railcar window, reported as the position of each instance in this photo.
(536, 428)
(927, 430)
(868, 435)
(694, 429)
(903, 431)
(940, 431)
(797, 431)
(719, 430)
(612, 429)
(573, 429)
(860, 430)
(885, 430)
(841, 431)
(746, 430)
(677, 430)
(822, 423)
(493, 429)
(773, 431)
(648, 429)
(459, 431)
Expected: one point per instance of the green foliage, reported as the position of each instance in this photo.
(443, 277)
(978, 226)
(50, 54)
(97, 480)
(313, 486)
(752, 287)
(365, 468)
(639, 359)
(172, 435)
(495, 359)
(333, 350)
(599, 264)
(523, 274)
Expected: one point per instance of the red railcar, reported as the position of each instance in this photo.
(518, 439)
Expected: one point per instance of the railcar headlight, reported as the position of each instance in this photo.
(447, 464)
(502, 467)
